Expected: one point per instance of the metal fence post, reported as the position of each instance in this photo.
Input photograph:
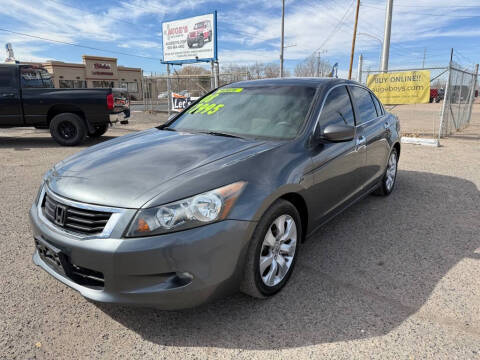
(473, 94)
(445, 99)
(212, 78)
(217, 74)
(169, 91)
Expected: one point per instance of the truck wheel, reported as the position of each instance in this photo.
(200, 42)
(99, 130)
(68, 129)
(189, 44)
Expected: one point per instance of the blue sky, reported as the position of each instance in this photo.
(248, 31)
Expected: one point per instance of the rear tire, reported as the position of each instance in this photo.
(99, 131)
(68, 129)
(389, 178)
(276, 247)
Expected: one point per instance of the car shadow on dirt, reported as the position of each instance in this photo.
(361, 276)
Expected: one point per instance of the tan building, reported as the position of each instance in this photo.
(96, 71)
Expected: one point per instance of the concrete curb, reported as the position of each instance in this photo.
(420, 141)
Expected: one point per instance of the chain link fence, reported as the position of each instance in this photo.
(459, 98)
(452, 92)
(155, 88)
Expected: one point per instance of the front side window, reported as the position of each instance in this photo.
(337, 109)
(364, 103)
(35, 78)
(6, 77)
(261, 111)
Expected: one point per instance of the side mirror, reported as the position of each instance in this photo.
(339, 132)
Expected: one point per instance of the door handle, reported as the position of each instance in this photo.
(361, 141)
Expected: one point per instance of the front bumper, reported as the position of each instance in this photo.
(170, 271)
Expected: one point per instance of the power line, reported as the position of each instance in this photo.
(80, 46)
(426, 6)
(429, 14)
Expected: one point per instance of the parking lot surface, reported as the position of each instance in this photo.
(390, 278)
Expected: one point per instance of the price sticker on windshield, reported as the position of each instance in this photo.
(206, 106)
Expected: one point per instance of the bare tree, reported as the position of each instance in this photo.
(312, 66)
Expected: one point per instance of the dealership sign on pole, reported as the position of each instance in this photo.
(406, 87)
(190, 40)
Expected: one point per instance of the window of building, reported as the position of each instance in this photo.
(337, 109)
(103, 84)
(131, 87)
(35, 78)
(71, 84)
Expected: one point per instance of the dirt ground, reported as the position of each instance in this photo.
(390, 278)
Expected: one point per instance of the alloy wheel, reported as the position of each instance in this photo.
(67, 130)
(278, 250)
(391, 171)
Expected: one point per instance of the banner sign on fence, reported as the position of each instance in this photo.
(189, 40)
(406, 87)
(180, 102)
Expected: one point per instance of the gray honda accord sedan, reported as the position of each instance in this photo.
(219, 199)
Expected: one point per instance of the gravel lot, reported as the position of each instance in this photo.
(391, 278)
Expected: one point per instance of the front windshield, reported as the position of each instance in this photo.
(262, 111)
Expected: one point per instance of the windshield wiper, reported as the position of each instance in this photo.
(168, 128)
(219, 133)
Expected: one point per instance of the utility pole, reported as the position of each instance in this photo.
(424, 55)
(386, 37)
(353, 41)
(359, 69)
(281, 46)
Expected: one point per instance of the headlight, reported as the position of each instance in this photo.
(195, 211)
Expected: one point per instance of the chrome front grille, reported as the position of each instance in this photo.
(74, 219)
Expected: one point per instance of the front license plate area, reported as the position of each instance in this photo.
(50, 255)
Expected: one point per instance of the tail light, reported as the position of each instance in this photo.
(110, 101)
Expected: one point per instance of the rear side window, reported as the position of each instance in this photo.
(377, 106)
(6, 77)
(35, 78)
(337, 109)
(364, 103)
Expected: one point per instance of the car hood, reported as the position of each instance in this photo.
(129, 171)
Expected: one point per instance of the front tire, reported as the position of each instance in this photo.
(68, 129)
(273, 251)
(99, 131)
(201, 42)
(388, 181)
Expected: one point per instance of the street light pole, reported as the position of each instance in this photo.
(386, 37)
(381, 47)
(281, 46)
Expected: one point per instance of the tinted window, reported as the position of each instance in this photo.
(35, 78)
(6, 77)
(364, 104)
(377, 106)
(337, 108)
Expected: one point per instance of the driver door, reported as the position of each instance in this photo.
(338, 166)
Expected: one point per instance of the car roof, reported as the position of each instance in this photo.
(293, 81)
